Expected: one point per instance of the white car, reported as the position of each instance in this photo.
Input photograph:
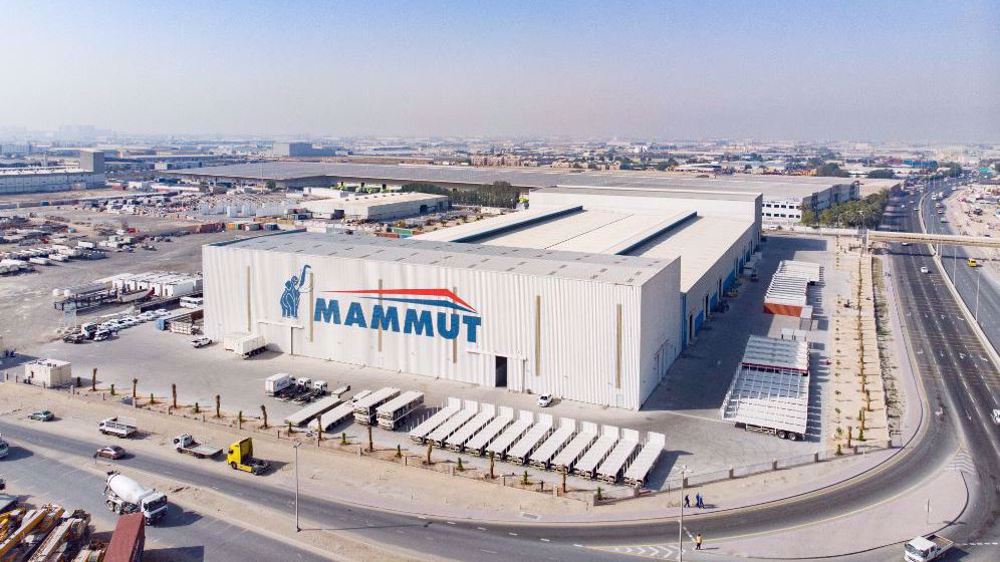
(545, 400)
(996, 417)
(200, 342)
(924, 269)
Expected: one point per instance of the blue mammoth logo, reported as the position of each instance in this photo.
(291, 294)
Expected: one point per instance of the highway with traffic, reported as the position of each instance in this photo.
(960, 385)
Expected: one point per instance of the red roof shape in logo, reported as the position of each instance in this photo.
(399, 295)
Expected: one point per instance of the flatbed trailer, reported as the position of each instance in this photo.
(595, 455)
(469, 410)
(520, 451)
(610, 470)
(456, 441)
(567, 458)
(393, 412)
(337, 416)
(477, 444)
(502, 444)
(541, 456)
(638, 470)
(317, 408)
(420, 433)
(364, 409)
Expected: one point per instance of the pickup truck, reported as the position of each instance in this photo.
(927, 548)
(185, 443)
(118, 427)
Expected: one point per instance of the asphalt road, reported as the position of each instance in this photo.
(183, 536)
(961, 382)
(971, 283)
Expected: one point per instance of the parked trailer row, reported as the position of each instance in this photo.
(456, 441)
(519, 452)
(420, 433)
(366, 408)
(469, 410)
(611, 469)
(317, 408)
(585, 449)
(393, 412)
(571, 453)
(477, 444)
(541, 456)
(638, 470)
(503, 443)
(595, 455)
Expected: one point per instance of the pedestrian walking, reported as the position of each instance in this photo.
(697, 541)
(687, 500)
(698, 501)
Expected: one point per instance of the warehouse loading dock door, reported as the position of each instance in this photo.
(500, 371)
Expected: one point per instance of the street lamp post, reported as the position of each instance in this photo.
(296, 447)
(680, 523)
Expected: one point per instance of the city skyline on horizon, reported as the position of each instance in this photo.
(866, 72)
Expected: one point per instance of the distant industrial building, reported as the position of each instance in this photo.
(376, 206)
(294, 149)
(783, 196)
(590, 295)
(89, 174)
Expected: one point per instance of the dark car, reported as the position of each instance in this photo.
(113, 452)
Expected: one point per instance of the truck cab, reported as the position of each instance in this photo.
(239, 456)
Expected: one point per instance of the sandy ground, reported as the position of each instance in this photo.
(387, 483)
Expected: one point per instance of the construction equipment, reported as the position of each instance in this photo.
(124, 495)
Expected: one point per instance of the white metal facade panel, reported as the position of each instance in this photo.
(574, 355)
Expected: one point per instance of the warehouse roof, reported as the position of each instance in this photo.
(369, 201)
(532, 178)
(699, 244)
(624, 270)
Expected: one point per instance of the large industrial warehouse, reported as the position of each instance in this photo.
(590, 295)
(589, 327)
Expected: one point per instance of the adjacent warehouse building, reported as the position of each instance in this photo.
(783, 196)
(88, 175)
(376, 206)
(591, 327)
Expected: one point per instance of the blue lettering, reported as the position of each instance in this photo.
(422, 325)
(385, 318)
(472, 324)
(327, 311)
(355, 316)
(444, 331)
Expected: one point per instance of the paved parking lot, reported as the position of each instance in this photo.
(684, 408)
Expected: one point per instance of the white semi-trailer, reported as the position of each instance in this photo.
(124, 495)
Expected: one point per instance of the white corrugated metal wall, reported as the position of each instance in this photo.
(580, 355)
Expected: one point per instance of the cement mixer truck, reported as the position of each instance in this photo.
(124, 495)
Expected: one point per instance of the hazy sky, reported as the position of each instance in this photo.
(810, 70)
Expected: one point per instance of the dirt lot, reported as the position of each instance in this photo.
(26, 299)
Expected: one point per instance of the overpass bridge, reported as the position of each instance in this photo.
(872, 236)
(935, 239)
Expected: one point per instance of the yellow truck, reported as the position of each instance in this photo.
(239, 456)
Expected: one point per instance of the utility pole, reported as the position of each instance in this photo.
(296, 447)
